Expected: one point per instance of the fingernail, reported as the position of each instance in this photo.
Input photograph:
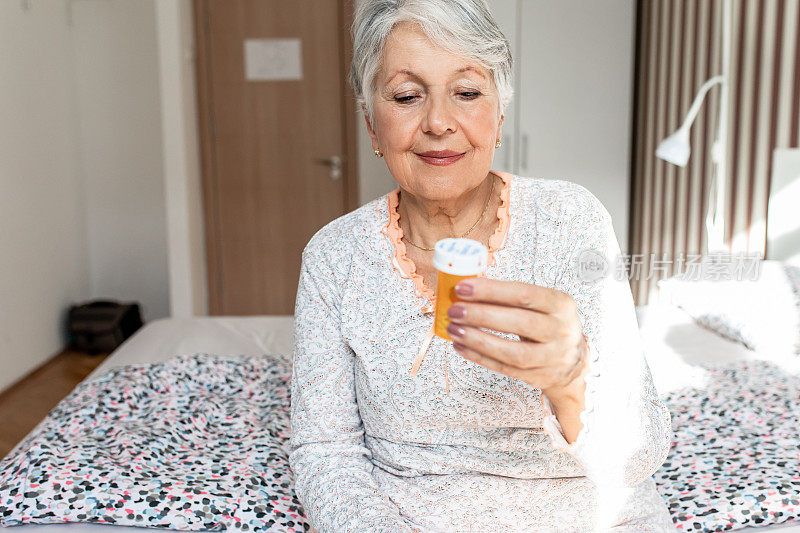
(457, 346)
(456, 311)
(464, 288)
(455, 331)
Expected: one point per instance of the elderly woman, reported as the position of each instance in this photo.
(542, 414)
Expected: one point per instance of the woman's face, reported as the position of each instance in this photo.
(428, 100)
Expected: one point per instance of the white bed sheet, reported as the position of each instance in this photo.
(673, 345)
(164, 338)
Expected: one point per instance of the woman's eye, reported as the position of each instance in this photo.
(464, 95)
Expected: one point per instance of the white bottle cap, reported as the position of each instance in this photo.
(460, 257)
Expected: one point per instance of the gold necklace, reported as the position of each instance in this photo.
(486, 205)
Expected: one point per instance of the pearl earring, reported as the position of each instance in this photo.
(498, 143)
(378, 153)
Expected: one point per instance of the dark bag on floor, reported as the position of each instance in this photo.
(102, 325)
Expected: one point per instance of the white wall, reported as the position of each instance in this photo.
(181, 156)
(576, 97)
(82, 201)
(44, 261)
(117, 79)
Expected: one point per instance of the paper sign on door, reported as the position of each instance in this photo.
(272, 59)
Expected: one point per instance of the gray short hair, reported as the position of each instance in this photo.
(463, 27)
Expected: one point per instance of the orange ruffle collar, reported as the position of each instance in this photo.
(406, 266)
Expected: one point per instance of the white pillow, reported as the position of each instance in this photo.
(761, 312)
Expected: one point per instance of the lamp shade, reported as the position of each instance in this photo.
(675, 148)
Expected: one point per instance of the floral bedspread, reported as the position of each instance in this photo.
(735, 457)
(197, 442)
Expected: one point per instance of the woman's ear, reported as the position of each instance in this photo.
(500, 126)
(369, 128)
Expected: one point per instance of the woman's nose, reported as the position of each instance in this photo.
(438, 117)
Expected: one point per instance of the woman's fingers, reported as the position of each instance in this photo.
(520, 355)
(528, 324)
(513, 293)
(535, 377)
(545, 319)
(488, 362)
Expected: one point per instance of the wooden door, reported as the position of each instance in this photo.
(271, 135)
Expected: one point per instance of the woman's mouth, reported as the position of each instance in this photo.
(441, 158)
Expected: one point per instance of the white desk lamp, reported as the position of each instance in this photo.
(675, 149)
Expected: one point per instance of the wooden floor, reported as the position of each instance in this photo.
(25, 404)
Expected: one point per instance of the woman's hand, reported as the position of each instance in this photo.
(551, 354)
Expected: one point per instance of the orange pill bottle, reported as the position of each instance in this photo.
(454, 259)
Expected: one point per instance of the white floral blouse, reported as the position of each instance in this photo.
(458, 447)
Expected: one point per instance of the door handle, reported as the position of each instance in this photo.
(335, 163)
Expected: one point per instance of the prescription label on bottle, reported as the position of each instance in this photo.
(454, 259)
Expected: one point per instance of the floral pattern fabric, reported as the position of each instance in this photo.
(735, 460)
(199, 442)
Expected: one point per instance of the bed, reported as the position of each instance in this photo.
(682, 355)
(264, 337)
